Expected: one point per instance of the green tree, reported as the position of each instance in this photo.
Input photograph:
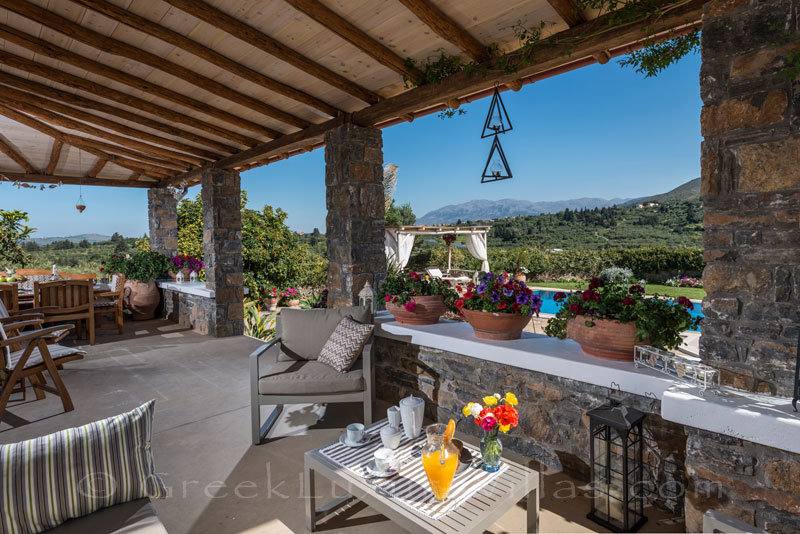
(13, 233)
(400, 216)
(84, 244)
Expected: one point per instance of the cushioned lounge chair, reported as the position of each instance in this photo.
(286, 370)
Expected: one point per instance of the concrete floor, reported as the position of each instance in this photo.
(219, 482)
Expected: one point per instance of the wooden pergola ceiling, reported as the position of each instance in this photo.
(144, 93)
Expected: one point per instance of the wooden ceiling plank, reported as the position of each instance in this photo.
(96, 168)
(133, 177)
(19, 96)
(447, 28)
(87, 145)
(568, 11)
(55, 154)
(34, 178)
(52, 51)
(348, 31)
(176, 39)
(20, 160)
(110, 45)
(252, 36)
(85, 85)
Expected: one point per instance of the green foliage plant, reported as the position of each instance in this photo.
(399, 288)
(141, 267)
(256, 324)
(659, 321)
(13, 233)
(616, 274)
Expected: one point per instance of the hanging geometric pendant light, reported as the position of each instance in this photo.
(496, 165)
(497, 120)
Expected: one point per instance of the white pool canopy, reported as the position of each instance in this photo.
(399, 240)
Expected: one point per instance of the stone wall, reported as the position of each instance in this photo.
(162, 212)
(191, 311)
(222, 235)
(354, 198)
(751, 193)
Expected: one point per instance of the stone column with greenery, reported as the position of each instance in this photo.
(355, 202)
(162, 212)
(222, 237)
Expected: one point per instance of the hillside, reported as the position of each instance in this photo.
(91, 238)
(688, 192)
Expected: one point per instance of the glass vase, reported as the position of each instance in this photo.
(491, 451)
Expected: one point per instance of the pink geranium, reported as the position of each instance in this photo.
(489, 422)
(410, 306)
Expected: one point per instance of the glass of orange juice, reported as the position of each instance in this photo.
(440, 459)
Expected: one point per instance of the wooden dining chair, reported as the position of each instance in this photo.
(9, 297)
(110, 303)
(74, 300)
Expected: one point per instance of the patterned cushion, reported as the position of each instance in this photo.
(56, 351)
(114, 284)
(31, 278)
(72, 473)
(105, 303)
(345, 344)
(3, 310)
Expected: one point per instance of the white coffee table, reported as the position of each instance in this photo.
(475, 515)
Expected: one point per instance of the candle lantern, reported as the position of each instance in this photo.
(366, 297)
(617, 467)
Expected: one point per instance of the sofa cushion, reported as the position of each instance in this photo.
(72, 473)
(135, 517)
(309, 378)
(35, 358)
(344, 346)
(305, 332)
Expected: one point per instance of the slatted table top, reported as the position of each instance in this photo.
(477, 513)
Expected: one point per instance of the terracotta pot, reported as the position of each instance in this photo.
(272, 304)
(606, 339)
(521, 277)
(294, 303)
(141, 298)
(429, 309)
(497, 326)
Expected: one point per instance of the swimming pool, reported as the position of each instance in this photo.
(550, 306)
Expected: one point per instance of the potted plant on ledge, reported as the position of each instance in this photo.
(416, 300)
(141, 270)
(186, 264)
(498, 307)
(607, 320)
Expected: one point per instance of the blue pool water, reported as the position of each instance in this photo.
(550, 306)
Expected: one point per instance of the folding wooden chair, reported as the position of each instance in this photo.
(73, 300)
(110, 302)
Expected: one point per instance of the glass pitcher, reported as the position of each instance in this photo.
(440, 460)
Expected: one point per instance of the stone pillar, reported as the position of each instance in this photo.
(162, 211)
(354, 198)
(222, 234)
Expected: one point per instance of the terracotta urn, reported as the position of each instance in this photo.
(271, 303)
(521, 277)
(141, 298)
(496, 326)
(427, 311)
(293, 303)
(606, 339)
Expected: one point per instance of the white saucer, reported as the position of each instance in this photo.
(347, 443)
(373, 472)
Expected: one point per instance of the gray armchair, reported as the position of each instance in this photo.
(286, 370)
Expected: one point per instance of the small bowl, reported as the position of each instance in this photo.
(464, 456)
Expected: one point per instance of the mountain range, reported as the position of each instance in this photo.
(482, 209)
(91, 238)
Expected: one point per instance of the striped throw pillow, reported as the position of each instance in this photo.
(72, 473)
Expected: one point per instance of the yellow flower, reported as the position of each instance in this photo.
(511, 399)
(467, 410)
(505, 428)
(491, 400)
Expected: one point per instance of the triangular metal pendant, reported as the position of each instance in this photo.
(496, 166)
(497, 120)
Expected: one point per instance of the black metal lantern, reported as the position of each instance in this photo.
(796, 394)
(496, 165)
(617, 467)
(497, 120)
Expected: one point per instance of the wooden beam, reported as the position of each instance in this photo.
(34, 178)
(120, 48)
(87, 145)
(41, 105)
(57, 53)
(349, 32)
(568, 11)
(254, 37)
(96, 168)
(20, 160)
(175, 159)
(55, 153)
(133, 177)
(447, 28)
(176, 39)
(95, 105)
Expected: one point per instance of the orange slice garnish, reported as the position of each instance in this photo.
(451, 429)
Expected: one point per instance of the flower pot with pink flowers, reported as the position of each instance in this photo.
(416, 300)
(290, 297)
(186, 264)
(271, 298)
(608, 319)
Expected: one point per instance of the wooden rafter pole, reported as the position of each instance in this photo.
(96, 168)
(176, 39)
(82, 84)
(348, 31)
(120, 48)
(87, 145)
(447, 28)
(568, 11)
(34, 178)
(54, 52)
(55, 153)
(252, 36)
(9, 151)
(133, 177)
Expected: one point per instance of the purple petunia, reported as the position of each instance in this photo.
(508, 292)
(494, 297)
(481, 289)
(523, 298)
(536, 302)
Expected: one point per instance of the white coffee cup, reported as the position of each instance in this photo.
(355, 432)
(383, 459)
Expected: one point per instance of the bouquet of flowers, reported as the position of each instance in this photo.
(497, 414)
(501, 294)
(399, 289)
(184, 261)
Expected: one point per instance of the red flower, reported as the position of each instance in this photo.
(576, 308)
(459, 289)
(627, 301)
(502, 306)
(114, 256)
(590, 294)
(459, 303)
(635, 289)
(469, 295)
(413, 275)
(683, 301)
(388, 297)
(560, 296)
(516, 307)
(410, 306)
(447, 282)
(101, 269)
(470, 285)
(507, 415)
(596, 282)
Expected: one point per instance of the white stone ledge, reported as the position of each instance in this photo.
(198, 289)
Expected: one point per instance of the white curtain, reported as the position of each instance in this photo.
(398, 247)
(476, 244)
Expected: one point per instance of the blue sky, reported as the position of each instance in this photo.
(601, 131)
